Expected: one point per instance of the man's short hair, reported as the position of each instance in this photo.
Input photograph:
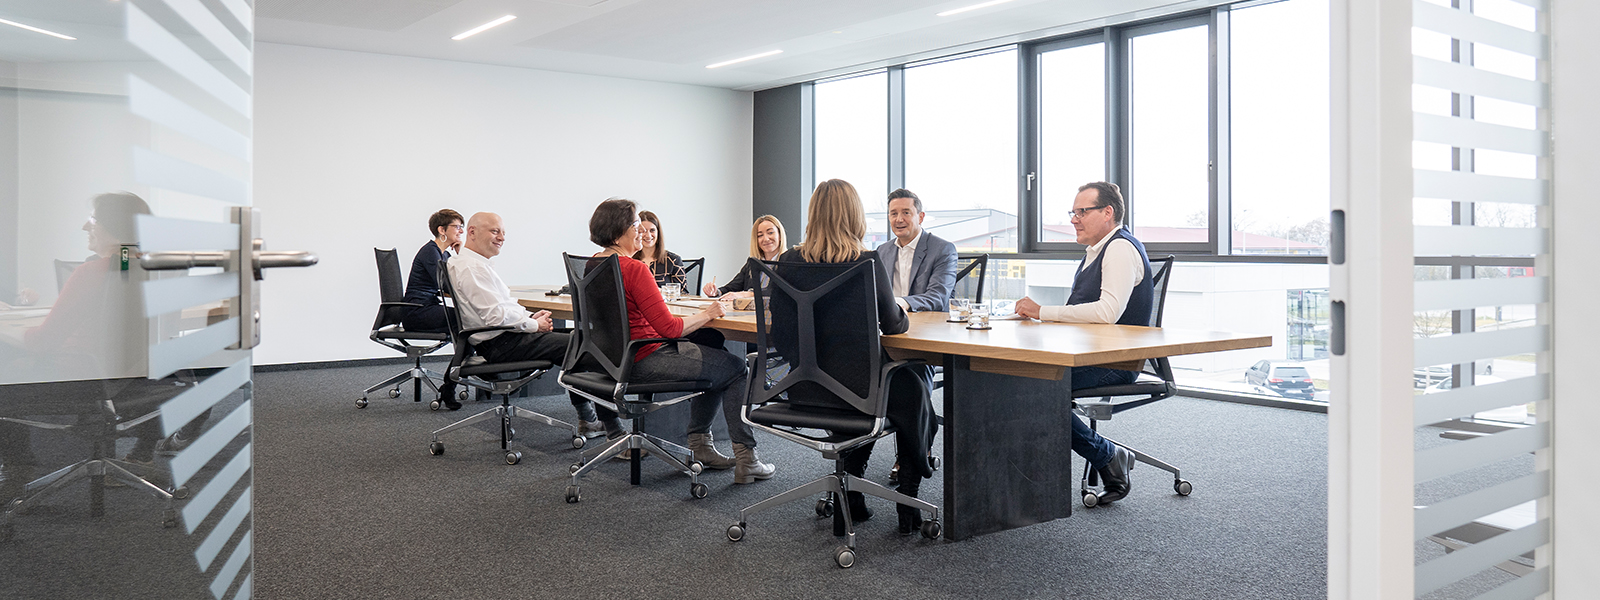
(905, 193)
(443, 218)
(1108, 195)
(610, 220)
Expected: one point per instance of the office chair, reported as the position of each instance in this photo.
(694, 271)
(598, 364)
(1155, 383)
(64, 269)
(386, 330)
(970, 287)
(837, 383)
(469, 369)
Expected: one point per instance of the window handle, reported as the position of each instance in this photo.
(1030, 181)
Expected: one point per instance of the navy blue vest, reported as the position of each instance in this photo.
(1086, 286)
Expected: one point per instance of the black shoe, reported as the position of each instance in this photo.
(449, 403)
(1115, 475)
(910, 519)
(858, 507)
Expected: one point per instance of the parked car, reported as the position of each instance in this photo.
(1292, 381)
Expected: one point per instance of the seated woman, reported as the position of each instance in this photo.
(423, 286)
(667, 268)
(835, 225)
(615, 227)
(767, 240)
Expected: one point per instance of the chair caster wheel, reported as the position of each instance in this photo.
(736, 532)
(513, 457)
(435, 405)
(573, 470)
(697, 467)
(435, 448)
(932, 529)
(844, 557)
(394, 393)
(511, 434)
(578, 442)
(933, 461)
(824, 508)
(1182, 487)
(361, 402)
(463, 396)
(181, 493)
(698, 490)
(1090, 500)
(572, 494)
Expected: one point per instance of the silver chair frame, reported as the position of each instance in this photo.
(416, 372)
(678, 457)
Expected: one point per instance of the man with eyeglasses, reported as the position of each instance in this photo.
(1113, 285)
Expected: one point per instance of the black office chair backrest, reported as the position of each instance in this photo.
(694, 272)
(971, 271)
(452, 315)
(822, 319)
(599, 313)
(1162, 277)
(391, 288)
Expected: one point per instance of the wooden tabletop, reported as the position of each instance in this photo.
(1019, 347)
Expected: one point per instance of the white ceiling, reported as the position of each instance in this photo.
(674, 40)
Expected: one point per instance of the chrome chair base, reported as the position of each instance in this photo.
(1090, 483)
(677, 457)
(505, 412)
(94, 469)
(837, 484)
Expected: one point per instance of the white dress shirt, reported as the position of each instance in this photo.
(483, 300)
(901, 282)
(1120, 270)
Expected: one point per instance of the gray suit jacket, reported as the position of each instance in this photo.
(933, 271)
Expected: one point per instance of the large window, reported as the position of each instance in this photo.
(961, 143)
(1169, 90)
(1072, 130)
(852, 132)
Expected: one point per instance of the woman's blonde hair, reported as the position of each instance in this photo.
(755, 229)
(835, 224)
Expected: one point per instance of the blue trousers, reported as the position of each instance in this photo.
(1086, 442)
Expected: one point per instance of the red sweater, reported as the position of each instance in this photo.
(648, 315)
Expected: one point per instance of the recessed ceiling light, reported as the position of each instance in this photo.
(740, 60)
(963, 9)
(36, 29)
(480, 29)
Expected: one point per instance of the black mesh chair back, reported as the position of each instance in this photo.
(599, 314)
(971, 271)
(1160, 281)
(822, 319)
(694, 272)
(452, 316)
(391, 287)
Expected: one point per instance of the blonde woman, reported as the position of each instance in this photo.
(767, 240)
(834, 228)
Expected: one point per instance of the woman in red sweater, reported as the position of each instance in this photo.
(615, 227)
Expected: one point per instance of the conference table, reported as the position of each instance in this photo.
(1007, 457)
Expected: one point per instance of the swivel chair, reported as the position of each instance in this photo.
(1155, 383)
(973, 270)
(386, 330)
(598, 366)
(694, 271)
(469, 369)
(823, 319)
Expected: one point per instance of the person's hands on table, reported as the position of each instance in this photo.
(1028, 308)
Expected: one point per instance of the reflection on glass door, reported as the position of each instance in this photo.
(125, 396)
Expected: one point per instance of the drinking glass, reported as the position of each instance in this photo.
(669, 291)
(959, 309)
(980, 316)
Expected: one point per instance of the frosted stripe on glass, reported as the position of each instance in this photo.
(1473, 399)
(242, 13)
(180, 352)
(201, 19)
(1450, 459)
(1467, 508)
(162, 171)
(148, 101)
(1467, 27)
(1470, 81)
(1451, 240)
(1467, 347)
(1467, 133)
(147, 35)
(162, 296)
(1462, 294)
(1471, 187)
(177, 412)
(244, 588)
(230, 570)
(1457, 565)
(215, 490)
(1526, 587)
(189, 462)
(159, 234)
(219, 535)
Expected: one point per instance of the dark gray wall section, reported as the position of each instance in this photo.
(782, 156)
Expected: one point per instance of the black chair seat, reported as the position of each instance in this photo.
(789, 415)
(407, 335)
(477, 366)
(601, 385)
(1131, 389)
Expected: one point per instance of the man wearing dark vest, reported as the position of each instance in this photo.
(1113, 285)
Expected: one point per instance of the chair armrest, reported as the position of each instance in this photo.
(633, 349)
(887, 375)
(471, 332)
(399, 304)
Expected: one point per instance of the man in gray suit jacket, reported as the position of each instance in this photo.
(922, 267)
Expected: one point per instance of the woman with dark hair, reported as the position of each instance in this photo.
(615, 227)
(422, 288)
(665, 266)
(835, 225)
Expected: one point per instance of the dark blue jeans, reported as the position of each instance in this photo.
(1086, 442)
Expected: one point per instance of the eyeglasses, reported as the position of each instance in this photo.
(1077, 213)
(459, 227)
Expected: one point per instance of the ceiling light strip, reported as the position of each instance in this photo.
(481, 28)
(740, 60)
(957, 11)
(37, 30)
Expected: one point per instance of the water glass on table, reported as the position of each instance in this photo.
(960, 308)
(670, 291)
(979, 319)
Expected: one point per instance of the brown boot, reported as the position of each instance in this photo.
(700, 445)
(749, 467)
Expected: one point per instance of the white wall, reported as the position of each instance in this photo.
(355, 150)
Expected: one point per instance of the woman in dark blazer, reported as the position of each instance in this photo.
(767, 241)
(423, 286)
